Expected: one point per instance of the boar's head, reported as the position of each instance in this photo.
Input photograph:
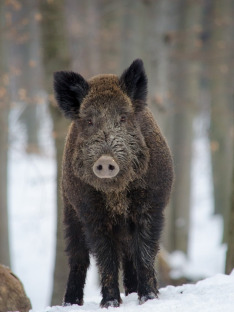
(109, 151)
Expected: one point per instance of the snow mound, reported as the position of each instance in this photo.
(214, 294)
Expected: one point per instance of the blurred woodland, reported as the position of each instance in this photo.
(188, 50)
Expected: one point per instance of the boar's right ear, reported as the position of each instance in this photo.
(70, 89)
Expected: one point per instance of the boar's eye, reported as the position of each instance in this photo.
(123, 118)
(90, 122)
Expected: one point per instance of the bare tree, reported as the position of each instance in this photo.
(56, 57)
(230, 236)
(30, 77)
(221, 86)
(4, 130)
(185, 96)
(24, 67)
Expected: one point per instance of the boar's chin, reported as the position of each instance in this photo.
(106, 185)
(109, 185)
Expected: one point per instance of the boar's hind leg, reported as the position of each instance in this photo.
(78, 255)
(130, 275)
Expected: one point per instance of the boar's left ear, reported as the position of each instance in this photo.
(134, 82)
(70, 89)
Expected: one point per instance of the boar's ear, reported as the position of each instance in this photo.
(134, 82)
(70, 89)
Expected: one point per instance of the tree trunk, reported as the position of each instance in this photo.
(4, 235)
(230, 235)
(24, 68)
(30, 75)
(4, 128)
(111, 19)
(185, 95)
(221, 83)
(163, 18)
(166, 15)
(83, 26)
(56, 57)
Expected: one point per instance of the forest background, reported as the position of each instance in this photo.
(188, 50)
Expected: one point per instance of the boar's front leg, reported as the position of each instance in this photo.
(146, 244)
(78, 256)
(106, 254)
(145, 252)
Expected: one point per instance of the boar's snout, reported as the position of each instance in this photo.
(105, 167)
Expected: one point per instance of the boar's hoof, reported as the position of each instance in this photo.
(105, 167)
(110, 303)
(147, 297)
(66, 304)
(80, 302)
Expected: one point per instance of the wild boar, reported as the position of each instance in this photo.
(117, 178)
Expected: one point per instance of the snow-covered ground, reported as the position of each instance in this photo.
(215, 294)
(32, 215)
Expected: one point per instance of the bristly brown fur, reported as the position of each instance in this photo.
(118, 219)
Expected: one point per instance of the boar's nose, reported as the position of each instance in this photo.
(105, 167)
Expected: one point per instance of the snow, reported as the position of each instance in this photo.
(214, 294)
